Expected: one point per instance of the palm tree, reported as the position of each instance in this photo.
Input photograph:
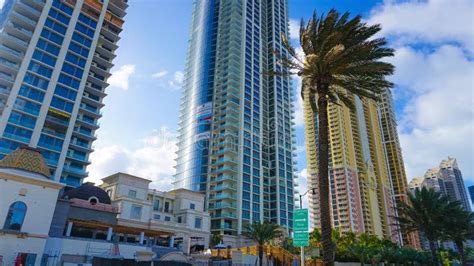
(426, 212)
(341, 60)
(262, 233)
(459, 228)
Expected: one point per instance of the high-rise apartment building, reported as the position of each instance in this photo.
(447, 179)
(236, 130)
(395, 164)
(471, 193)
(361, 192)
(55, 58)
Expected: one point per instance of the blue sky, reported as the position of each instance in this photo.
(434, 84)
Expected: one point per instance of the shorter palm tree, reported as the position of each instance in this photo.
(459, 227)
(262, 233)
(425, 213)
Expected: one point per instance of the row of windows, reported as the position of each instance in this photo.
(63, 7)
(36, 81)
(31, 93)
(22, 119)
(54, 37)
(48, 47)
(40, 69)
(56, 26)
(44, 58)
(17, 133)
(72, 70)
(62, 104)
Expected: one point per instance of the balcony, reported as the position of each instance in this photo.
(223, 187)
(222, 196)
(223, 178)
(84, 133)
(222, 206)
(75, 170)
(224, 169)
(224, 215)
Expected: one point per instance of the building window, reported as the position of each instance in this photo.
(156, 216)
(167, 219)
(180, 219)
(136, 212)
(197, 222)
(156, 205)
(167, 207)
(109, 192)
(16, 216)
(192, 206)
(132, 193)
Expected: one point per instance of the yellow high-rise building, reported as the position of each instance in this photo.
(396, 167)
(361, 190)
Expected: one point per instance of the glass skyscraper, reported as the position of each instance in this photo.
(236, 130)
(55, 58)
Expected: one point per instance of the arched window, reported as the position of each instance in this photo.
(16, 216)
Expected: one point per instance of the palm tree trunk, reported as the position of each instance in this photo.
(324, 201)
(460, 247)
(434, 254)
(260, 254)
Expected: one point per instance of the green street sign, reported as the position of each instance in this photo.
(300, 228)
(300, 239)
(300, 220)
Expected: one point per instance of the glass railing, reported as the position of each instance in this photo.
(16, 120)
(222, 187)
(19, 28)
(224, 177)
(222, 206)
(16, 137)
(53, 133)
(6, 77)
(222, 196)
(77, 156)
(29, 8)
(16, 40)
(224, 168)
(25, 18)
(50, 146)
(75, 170)
(9, 63)
(11, 51)
(80, 144)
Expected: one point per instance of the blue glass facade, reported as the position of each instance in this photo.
(246, 170)
(56, 99)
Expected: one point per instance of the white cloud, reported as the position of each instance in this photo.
(178, 79)
(432, 21)
(303, 185)
(154, 160)
(120, 78)
(159, 74)
(438, 120)
(434, 79)
(294, 29)
(1, 3)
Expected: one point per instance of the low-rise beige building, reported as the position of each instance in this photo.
(179, 211)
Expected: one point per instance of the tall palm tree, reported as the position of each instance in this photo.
(426, 212)
(459, 227)
(341, 60)
(262, 233)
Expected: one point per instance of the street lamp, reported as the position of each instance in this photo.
(301, 207)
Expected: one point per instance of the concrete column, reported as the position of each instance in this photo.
(69, 229)
(171, 241)
(142, 237)
(109, 234)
